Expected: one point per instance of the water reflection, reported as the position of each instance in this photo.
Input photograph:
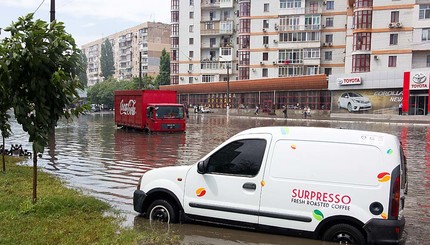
(93, 155)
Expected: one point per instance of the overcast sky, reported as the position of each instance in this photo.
(88, 20)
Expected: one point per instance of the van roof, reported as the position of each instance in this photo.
(324, 134)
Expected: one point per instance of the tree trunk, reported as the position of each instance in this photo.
(4, 161)
(34, 176)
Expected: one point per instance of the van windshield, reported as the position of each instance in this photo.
(176, 112)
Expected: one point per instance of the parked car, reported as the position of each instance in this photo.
(205, 110)
(353, 101)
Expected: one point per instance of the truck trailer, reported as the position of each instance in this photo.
(149, 110)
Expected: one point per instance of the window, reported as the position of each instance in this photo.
(361, 63)
(191, 54)
(265, 39)
(394, 16)
(212, 42)
(329, 5)
(392, 61)
(265, 56)
(190, 67)
(424, 12)
(329, 22)
(362, 41)
(428, 60)
(191, 41)
(327, 71)
(191, 28)
(208, 78)
(242, 157)
(265, 23)
(190, 79)
(266, 7)
(328, 55)
(394, 39)
(425, 35)
(329, 38)
(191, 2)
(191, 15)
(265, 72)
(362, 19)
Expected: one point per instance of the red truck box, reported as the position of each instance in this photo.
(150, 110)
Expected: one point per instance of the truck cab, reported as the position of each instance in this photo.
(165, 117)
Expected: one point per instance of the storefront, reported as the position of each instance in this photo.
(416, 92)
(366, 93)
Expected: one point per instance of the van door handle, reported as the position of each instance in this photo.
(249, 186)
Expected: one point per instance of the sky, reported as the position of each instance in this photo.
(88, 20)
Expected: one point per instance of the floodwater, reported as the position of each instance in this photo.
(91, 154)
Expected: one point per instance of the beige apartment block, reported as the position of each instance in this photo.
(141, 44)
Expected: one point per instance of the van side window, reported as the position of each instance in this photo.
(242, 157)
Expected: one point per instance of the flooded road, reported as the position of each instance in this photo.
(91, 154)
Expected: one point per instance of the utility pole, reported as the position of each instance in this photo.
(52, 10)
(140, 69)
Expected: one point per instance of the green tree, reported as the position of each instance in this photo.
(106, 60)
(43, 63)
(164, 77)
(83, 73)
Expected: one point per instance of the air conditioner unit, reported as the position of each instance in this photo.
(391, 25)
(196, 78)
(264, 30)
(330, 44)
(324, 44)
(324, 3)
(275, 41)
(276, 27)
(182, 78)
(399, 25)
(261, 63)
(189, 71)
(323, 26)
(274, 62)
(266, 45)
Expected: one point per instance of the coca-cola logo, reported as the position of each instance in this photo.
(128, 108)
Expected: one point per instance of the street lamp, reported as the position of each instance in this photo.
(228, 84)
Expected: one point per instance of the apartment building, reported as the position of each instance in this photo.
(141, 44)
(373, 41)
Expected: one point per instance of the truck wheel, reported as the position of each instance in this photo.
(162, 211)
(344, 234)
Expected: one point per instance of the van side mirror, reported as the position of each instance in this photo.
(202, 167)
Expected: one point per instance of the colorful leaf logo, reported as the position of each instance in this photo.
(293, 146)
(285, 131)
(200, 192)
(384, 177)
(263, 183)
(390, 151)
(318, 215)
(384, 215)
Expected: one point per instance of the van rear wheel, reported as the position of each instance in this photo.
(162, 211)
(344, 234)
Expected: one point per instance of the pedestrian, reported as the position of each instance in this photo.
(308, 111)
(400, 108)
(305, 112)
(186, 111)
(256, 110)
(284, 110)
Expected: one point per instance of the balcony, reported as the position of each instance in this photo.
(210, 4)
(226, 4)
(209, 45)
(215, 67)
(292, 11)
(299, 27)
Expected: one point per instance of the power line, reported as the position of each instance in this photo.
(39, 6)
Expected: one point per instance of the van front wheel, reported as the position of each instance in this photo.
(162, 211)
(344, 234)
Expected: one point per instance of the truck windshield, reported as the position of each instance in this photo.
(170, 112)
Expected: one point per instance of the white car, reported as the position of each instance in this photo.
(205, 110)
(354, 102)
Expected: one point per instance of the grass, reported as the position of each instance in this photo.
(61, 215)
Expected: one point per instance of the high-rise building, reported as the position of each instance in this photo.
(145, 41)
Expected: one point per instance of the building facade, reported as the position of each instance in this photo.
(145, 42)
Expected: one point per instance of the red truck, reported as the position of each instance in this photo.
(150, 110)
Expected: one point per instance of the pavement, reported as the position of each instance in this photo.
(417, 120)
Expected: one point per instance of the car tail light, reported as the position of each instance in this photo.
(395, 199)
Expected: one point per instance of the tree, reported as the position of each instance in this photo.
(106, 60)
(83, 73)
(43, 63)
(164, 77)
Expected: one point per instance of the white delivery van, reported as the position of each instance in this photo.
(337, 185)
